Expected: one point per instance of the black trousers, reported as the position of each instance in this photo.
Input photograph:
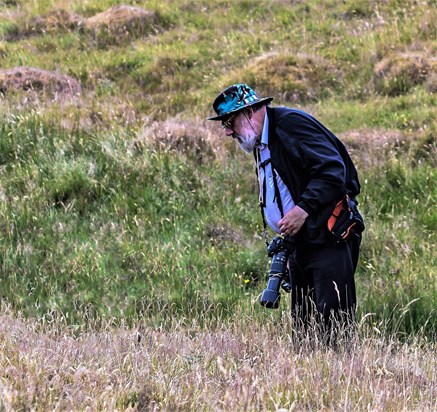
(323, 283)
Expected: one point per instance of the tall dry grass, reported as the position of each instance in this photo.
(243, 365)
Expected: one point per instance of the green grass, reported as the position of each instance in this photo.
(199, 44)
(399, 261)
(91, 225)
(104, 216)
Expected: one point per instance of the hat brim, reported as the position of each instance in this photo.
(224, 116)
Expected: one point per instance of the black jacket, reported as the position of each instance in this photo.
(314, 165)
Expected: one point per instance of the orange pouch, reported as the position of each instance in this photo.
(345, 221)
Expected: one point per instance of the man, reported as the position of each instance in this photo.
(304, 171)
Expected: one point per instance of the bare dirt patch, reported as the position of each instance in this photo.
(125, 21)
(295, 78)
(192, 139)
(372, 147)
(121, 19)
(220, 233)
(55, 20)
(51, 83)
(398, 73)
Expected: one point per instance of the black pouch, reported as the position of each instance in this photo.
(345, 221)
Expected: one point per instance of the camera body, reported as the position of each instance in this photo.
(280, 249)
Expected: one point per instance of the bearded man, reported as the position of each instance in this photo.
(304, 172)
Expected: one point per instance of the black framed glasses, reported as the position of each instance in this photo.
(227, 124)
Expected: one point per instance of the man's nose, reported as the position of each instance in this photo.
(228, 131)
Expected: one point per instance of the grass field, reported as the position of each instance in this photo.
(131, 248)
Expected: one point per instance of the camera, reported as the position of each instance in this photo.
(279, 249)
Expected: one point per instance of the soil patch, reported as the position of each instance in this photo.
(51, 83)
(55, 20)
(191, 139)
(398, 73)
(295, 78)
(219, 234)
(372, 147)
(122, 19)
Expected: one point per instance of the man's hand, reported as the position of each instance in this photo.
(291, 223)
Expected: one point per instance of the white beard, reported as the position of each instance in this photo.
(248, 139)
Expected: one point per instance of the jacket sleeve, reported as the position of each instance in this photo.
(320, 160)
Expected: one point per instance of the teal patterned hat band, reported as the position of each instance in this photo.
(234, 98)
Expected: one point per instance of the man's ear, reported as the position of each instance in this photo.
(249, 112)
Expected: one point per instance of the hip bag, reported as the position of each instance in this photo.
(345, 221)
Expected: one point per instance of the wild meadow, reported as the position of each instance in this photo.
(131, 246)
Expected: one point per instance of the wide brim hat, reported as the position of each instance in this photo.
(235, 98)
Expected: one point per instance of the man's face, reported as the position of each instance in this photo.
(245, 130)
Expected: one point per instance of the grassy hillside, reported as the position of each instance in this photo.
(129, 225)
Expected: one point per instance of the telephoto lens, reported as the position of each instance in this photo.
(271, 297)
(279, 249)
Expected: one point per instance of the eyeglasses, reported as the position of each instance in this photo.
(227, 124)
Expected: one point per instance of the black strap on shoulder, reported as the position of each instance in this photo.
(265, 163)
(277, 193)
(262, 202)
(261, 197)
(277, 197)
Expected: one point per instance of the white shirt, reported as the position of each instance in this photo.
(271, 209)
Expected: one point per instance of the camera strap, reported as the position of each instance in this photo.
(262, 189)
